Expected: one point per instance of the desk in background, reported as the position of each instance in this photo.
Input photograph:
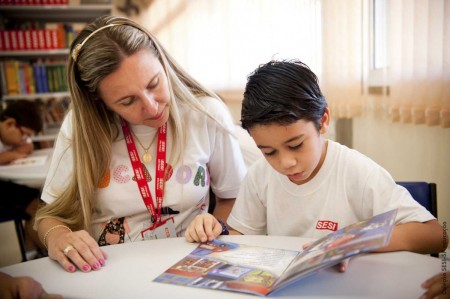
(131, 267)
(30, 175)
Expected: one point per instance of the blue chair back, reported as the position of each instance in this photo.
(424, 193)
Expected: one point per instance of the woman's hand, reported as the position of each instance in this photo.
(75, 250)
(204, 227)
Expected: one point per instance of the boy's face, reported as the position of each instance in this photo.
(13, 134)
(296, 150)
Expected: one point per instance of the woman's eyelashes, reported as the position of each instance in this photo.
(128, 101)
(154, 83)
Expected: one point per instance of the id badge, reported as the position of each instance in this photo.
(162, 230)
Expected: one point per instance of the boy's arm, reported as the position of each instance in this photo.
(223, 207)
(427, 237)
(25, 148)
(9, 156)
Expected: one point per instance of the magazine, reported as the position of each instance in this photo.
(261, 270)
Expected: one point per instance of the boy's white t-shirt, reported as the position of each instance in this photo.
(348, 188)
(211, 157)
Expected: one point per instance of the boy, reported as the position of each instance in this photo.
(308, 186)
(18, 122)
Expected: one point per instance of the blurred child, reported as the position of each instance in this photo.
(18, 123)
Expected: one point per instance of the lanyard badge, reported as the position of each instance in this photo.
(158, 229)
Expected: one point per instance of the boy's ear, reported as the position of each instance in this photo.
(325, 121)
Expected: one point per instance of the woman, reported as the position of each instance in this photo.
(133, 108)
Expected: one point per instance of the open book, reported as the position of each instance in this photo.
(262, 270)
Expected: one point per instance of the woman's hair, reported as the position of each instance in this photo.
(282, 92)
(95, 55)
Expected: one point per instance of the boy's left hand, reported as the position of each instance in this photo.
(342, 266)
(204, 227)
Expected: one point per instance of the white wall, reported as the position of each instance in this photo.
(409, 152)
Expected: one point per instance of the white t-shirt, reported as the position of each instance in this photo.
(348, 188)
(211, 157)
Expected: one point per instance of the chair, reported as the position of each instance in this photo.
(18, 217)
(424, 193)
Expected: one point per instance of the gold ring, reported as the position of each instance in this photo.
(67, 249)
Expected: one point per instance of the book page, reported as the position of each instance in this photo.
(230, 266)
(360, 237)
(269, 259)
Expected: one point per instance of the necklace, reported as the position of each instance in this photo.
(146, 157)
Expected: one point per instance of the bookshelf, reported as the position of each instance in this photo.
(34, 41)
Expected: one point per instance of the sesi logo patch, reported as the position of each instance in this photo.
(327, 225)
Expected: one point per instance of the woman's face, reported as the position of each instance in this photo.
(138, 91)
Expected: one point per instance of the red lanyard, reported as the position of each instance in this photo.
(140, 174)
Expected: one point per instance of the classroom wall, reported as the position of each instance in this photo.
(409, 152)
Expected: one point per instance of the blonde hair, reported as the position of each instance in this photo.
(94, 124)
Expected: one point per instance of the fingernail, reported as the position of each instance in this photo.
(86, 267)
(96, 266)
(71, 268)
(204, 239)
(101, 261)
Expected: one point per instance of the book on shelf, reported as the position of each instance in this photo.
(38, 36)
(31, 77)
(260, 270)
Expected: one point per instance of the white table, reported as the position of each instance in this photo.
(30, 175)
(131, 267)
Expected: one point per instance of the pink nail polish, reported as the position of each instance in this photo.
(86, 267)
(71, 268)
(95, 266)
(102, 261)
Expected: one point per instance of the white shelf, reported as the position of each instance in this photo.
(56, 13)
(35, 96)
(46, 137)
(34, 53)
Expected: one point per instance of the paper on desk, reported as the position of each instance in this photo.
(28, 161)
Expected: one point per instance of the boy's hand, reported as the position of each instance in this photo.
(22, 287)
(204, 227)
(436, 286)
(342, 266)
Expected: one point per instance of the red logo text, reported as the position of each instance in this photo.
(327, 225)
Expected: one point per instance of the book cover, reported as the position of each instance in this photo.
(260, 270)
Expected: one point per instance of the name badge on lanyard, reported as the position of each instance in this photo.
(159, 228)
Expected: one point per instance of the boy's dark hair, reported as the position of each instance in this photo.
(26, 113)
(282, 92)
